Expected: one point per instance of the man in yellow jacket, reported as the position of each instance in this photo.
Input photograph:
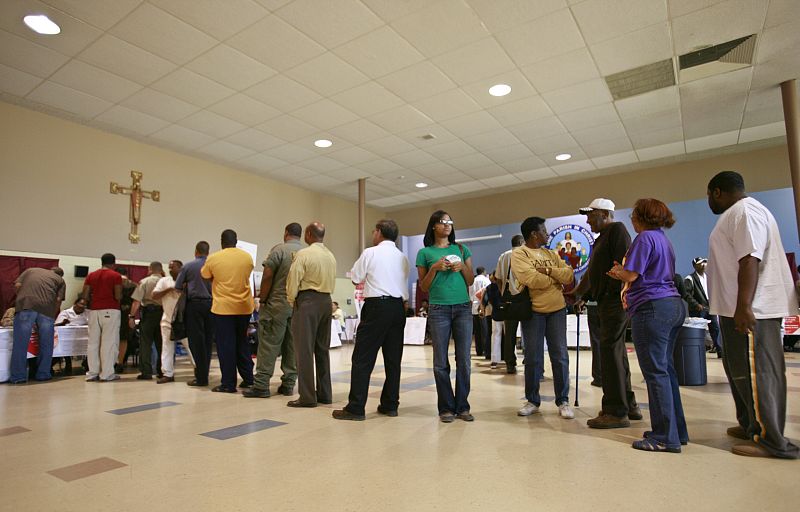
(544, 273)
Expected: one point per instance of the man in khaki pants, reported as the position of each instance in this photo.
(103, 290)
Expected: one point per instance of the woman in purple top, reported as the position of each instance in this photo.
(657, 313)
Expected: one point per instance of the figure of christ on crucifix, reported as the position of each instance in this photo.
(137, 194)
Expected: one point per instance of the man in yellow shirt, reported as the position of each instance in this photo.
(309, 285)
(231, 306)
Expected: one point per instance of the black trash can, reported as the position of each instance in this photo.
(690, 357)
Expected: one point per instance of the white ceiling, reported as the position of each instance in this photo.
(252, 84)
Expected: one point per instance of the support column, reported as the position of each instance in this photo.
(362, 213)
(791, 116)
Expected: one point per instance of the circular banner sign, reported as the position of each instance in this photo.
(573, 243)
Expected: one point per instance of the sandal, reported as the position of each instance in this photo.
(648, 433)
(651, 445)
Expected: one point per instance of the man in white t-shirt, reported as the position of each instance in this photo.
(751, 290)
(479, 327)
(165, 292)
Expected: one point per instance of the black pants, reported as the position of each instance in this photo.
(593, 317)
(510, 343)
(149, 333)
(233, 350)
(482, 344)
(381, 328)
(618, 397)
(200, 331)
(311, 334)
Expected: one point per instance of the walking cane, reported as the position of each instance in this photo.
(577, 352)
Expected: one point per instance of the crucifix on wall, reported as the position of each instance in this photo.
(137, 194)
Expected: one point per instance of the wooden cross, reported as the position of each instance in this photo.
(137, 194)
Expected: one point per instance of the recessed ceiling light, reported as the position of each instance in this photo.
(563, 156)
(323, 143)
(41, 24)
(499, 90)
(421, 185)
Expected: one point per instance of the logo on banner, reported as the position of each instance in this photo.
(573, 243)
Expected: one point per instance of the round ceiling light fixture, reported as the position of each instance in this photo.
(323, 143)
(563, 156)
(499, 90)
(421, 184)
(41, 24)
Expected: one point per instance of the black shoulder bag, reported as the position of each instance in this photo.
(513, 306)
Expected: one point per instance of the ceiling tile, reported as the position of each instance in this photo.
(589, 117)
(542, 38)
(401, 119)
(327, 74)
(192, 87)
(574, 97)
(554, 144)
(388, 146)
(417, 81)
(489, 140)
(127, 60)
(17, 82)
(764, 106)
(520, 88)
(353, 155)
(230, 67)
(475, 61)
(367, 99)
(330, 23)
(160, 105)
(501, 155)
(442, 171)
(291, 153)
(600, 20)
(95, 81)
(161, 33)
(21, 54)
(276, 43)
(470, 186)
(549, 158)
(780, 40)
(226, 151)
(501, 181)
(659, 137)
(283, 93)
(772, 73)
(212, 124)
(655, 121)
(255, 140)
(716, 140)
(244, 109)
(181, 137)
(221, 19)
(441, 26)
(535, 175)
(325, 114)
(781, 11)
(700, 28)
(130, 120)
(75, 34)
(439, 192)
(490, 171)
(472, 124)
(359, 131)
(69, 100)
(291, 173)
(599, 133)
(471, 161)
(390, 10)
(649, 103)
(645, 46)
(100, 13)
(524, 110)
(413, 158)
(384, 202)
(608, 147)
(766, 131)
(349, 175)
(379, 166)
(379, 52)
(573, 168)
(447, 105)
(538, 129)
(616, 160)
(323, 164)
(570, 68)
(450, 150)
(680, 7)
(287, 127)
(712, 121)
(417, 136)
(499, 15)
(665, 150)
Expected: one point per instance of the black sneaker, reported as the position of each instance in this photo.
(344, 414)
(256, 393)
(447, 417)
(387, 412)
(465, 416)
(285, 391)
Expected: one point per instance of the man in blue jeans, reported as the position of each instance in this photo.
(39, 295)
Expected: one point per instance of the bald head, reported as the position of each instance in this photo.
(156, 268)
(315, 232)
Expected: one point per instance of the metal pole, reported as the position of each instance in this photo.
(362, 213)
(791, 117)
(577, 352)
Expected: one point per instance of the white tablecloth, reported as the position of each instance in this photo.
(414, 333)
(336, 330)
(72, 341)
(350, 326)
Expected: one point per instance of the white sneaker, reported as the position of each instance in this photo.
(528, 409)
(565, 411)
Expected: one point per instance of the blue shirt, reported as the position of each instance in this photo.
(197, 288)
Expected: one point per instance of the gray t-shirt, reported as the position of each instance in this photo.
(279, 261)
(41, 289)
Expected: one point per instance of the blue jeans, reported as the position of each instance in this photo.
(444, 321)
(655, 326)
(553, 328)
(23, 326)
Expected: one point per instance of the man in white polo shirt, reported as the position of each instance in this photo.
(751, 290)
(166, 293)
(383, 270)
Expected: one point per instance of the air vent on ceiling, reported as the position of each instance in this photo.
(428, 136)
(717, 59)
(642, 79)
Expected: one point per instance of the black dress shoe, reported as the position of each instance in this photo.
(245, 385)
(194, 382)
(324, 402)
(596, 383)
(142, 376)
(344, 414)
(387, 412)
(222, 389)
(286, 391)
(298, 403)
(511, 370)
(256, 393)
(118, 368)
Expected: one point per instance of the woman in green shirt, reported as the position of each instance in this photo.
(445, 272)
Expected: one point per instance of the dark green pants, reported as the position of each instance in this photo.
(149, 333)
(275, 339)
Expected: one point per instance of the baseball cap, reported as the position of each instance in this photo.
(598, 204)
(699, 259)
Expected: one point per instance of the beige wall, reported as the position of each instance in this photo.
(763, 169)
(54, 183)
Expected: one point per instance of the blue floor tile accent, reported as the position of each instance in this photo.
(224, 434)
(140, 408)
(411, 386)
(793, 365)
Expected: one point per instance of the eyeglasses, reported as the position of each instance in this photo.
(446, 222)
